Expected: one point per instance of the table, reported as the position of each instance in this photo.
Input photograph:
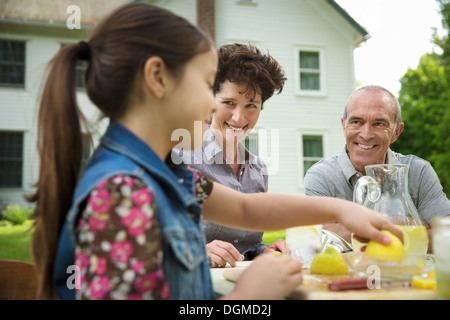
(221, 285)
(315, 287)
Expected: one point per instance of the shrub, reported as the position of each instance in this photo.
(16, 214)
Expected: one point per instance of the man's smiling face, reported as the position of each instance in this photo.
(370, 127)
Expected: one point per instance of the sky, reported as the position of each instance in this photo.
(400, 33)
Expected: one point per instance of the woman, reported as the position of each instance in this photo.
(130, 224)
(245, 79)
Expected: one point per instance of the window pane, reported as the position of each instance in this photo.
(12, 63)
(11, 158)
(79, 74)
(251, 143)
(308, 164)
(86, 151)
(309, 60)
(312, 146)
(80, 70)
(309, 81)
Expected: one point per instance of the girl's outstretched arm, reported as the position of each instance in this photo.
(268, 211)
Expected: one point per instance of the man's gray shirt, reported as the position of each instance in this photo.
(253, 178)
(336, 177)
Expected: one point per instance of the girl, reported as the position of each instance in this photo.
(131, 223)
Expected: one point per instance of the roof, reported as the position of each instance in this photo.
(350, 20)
(54, 13)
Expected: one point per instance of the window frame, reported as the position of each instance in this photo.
(15, 64)
(21, 160)
(248, 2)
(324, 133)
(252, 138)
(321, 71)
(80, 71)
(311, 158)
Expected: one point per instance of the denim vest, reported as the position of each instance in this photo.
(186, 265)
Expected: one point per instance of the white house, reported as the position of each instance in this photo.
(313, 40)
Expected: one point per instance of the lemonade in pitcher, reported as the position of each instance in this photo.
(385, 190)
(415, 240)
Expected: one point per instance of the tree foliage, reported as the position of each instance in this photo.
(425, 100)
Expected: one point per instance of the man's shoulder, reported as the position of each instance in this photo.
(411, 160)
(325, 165)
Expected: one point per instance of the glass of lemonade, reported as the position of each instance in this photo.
(303, 243)
(441, 249)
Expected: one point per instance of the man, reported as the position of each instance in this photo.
(371, 123)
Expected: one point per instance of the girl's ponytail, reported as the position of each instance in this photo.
(117, 51)
(60, 149)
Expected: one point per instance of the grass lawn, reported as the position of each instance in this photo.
(15, 241)
(271, 237)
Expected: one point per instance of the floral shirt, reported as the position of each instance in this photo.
(119, 248)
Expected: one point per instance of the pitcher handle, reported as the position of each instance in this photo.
(366, 192)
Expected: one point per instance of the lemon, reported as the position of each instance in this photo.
(407, 233)
(277, 253)
(329, 262)
(427, 281)
(393, 251)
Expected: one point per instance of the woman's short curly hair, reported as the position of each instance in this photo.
(245, 64)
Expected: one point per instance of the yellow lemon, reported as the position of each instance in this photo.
(406, 236)
(277, 253)
(393, 251)
(329, 262)
(427, 281)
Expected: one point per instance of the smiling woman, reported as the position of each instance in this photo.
(236, 115)
(246, 78)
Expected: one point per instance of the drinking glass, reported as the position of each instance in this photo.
(441, 249)
(303, 243)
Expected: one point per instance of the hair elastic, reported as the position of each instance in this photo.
(85, 52)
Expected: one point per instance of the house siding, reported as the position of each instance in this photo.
(300, 24)
(279, 27)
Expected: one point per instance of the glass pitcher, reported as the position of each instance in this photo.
(385, 190)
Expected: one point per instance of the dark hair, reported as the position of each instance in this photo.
(117, 52)
(245, 64)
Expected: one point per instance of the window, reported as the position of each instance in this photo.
(251, 143)
(310, 68)
(11, 159)
(80, 69)
(12, 63)
(312, 150)
(86, 150)
(247, 1)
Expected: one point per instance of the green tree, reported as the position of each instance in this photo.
(425, 100)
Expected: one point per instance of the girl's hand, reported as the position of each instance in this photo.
(369, 225)
(269, 277)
